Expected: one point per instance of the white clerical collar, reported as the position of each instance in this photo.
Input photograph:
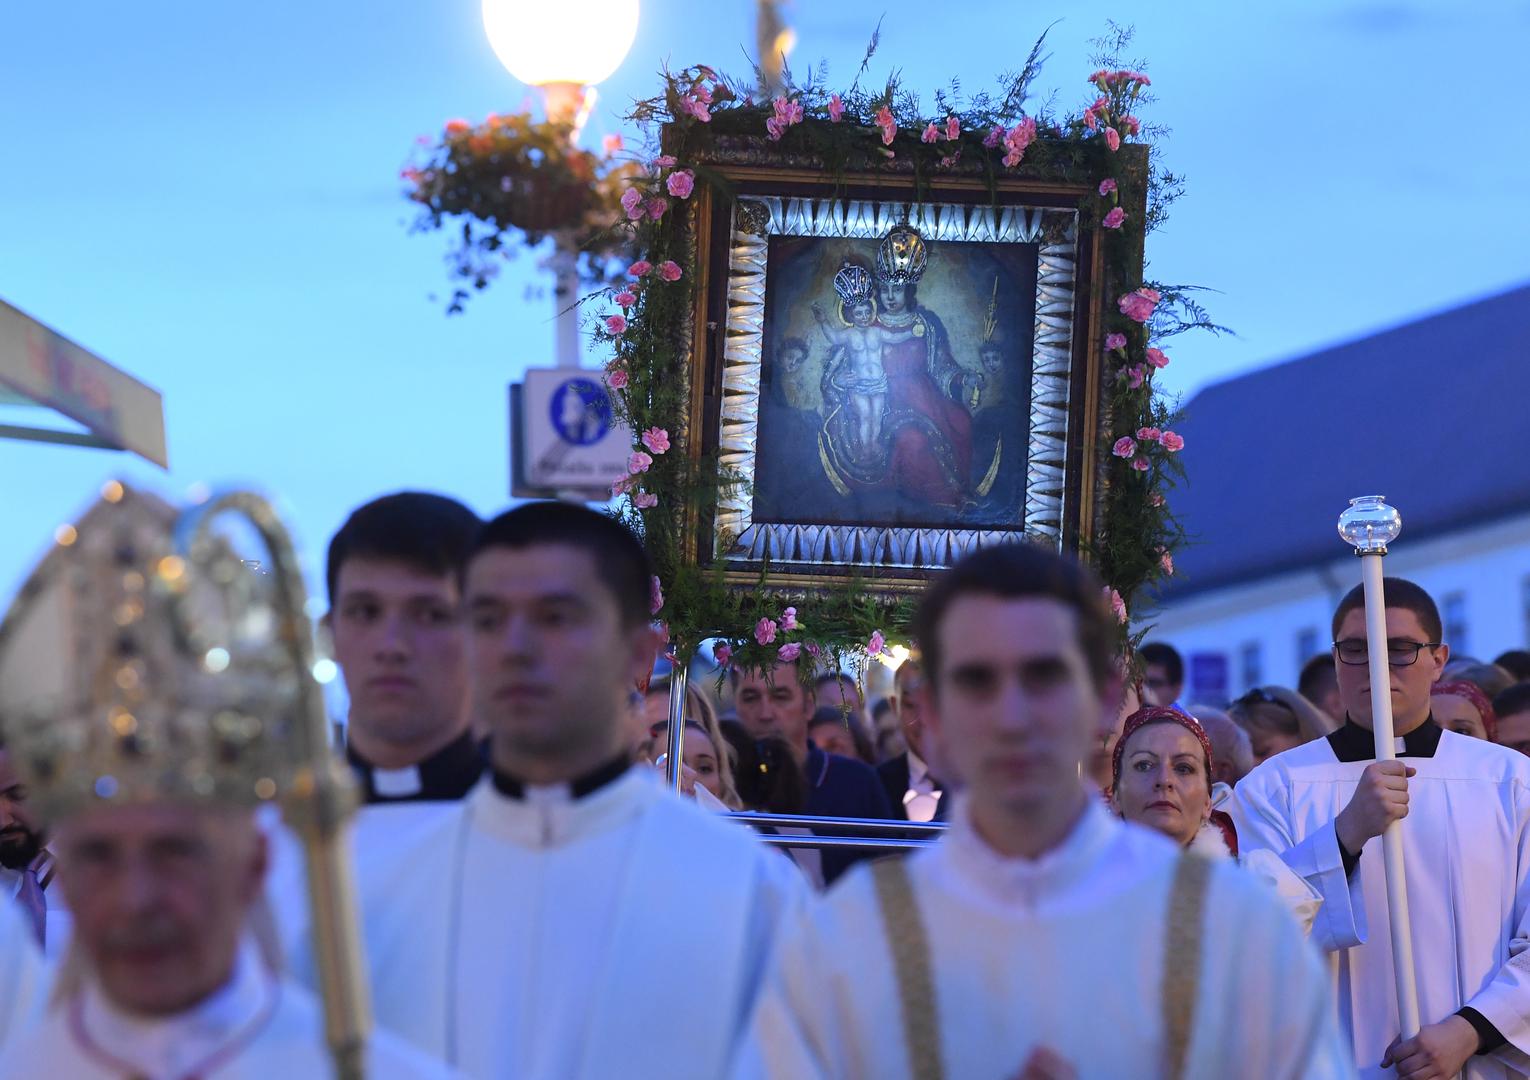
(546, 816)
(1014, 880)
(397, 783)
(190, 1042)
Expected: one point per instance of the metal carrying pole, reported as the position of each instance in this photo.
(679, 676)
(1370, 525)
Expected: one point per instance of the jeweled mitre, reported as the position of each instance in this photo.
(132, 670)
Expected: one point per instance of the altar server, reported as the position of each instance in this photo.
(1465, 811)
(1041, 936)
(570, 918)
(148, 761)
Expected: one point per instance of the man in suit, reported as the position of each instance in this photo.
(915, 794)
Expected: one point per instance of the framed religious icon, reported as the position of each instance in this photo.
(896, 379)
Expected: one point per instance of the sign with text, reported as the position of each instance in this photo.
(42, 366)
(569, 438)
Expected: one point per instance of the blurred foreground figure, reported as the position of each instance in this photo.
(1465, 830)
(546, 926)
(148, 755)
(1041, 937)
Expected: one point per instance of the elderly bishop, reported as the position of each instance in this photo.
(147, 751)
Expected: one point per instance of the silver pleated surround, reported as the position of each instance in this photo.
(743, 543)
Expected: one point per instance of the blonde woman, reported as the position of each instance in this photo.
(708, 756)
(1278, 719)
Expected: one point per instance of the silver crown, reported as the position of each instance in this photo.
(853, 283)
(135, 669)
(902, 255)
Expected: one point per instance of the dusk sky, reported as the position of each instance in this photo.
(206, 195)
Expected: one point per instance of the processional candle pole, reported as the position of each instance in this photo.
(1369, 525)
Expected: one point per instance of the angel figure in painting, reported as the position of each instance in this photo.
(860, 343)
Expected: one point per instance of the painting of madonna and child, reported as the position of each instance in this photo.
(895, 382)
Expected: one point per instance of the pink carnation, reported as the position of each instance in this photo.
(765, 631)
(693, 105)
(1134, 376)
(457, 127)
(656, 439)
(1172, 443)
(616, 324)
(789, 619)
(611, 144)
(994, 137)
(632, 202)
(616, 378)
(655, 594)
(1020, 136)
(1155, 499)
(875, 645)
(774, 128)
(1124, 447)
(664, 161)
(1117, 605)
(1166, 561)
(639, 268)
(1140, 464)
(1148, 434)
(1114, 342)
(953, 128)
(621, 487)
(788, 652)
(656, 207)
(722, 654)
(680, 183)
(1112, 138)
(888, 134)
(1107, 187)
(1130, 124)
(1157, 358)
(626, 298)
(836, 109)
(638, 462)
(1138, 304)
(1113, 219)
(889, 126)
(931, 133)
(669, 270)
(643, 500)
(1090, 121)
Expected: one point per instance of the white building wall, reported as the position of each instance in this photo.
(1487, 568)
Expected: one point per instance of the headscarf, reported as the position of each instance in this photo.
(1158, 714)
(1473, 693)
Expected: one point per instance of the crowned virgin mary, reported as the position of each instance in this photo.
(923, 449)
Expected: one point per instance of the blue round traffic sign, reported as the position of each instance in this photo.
(580, 411)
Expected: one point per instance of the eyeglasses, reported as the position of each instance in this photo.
(1400, 651)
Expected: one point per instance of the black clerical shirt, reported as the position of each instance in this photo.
(1355, 743)
(449, 773)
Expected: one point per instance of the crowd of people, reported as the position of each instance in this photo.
(1125, 884)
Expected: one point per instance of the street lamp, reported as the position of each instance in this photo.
(562, 49)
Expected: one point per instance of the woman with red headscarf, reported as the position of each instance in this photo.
(1462, 707)
(1161, 778)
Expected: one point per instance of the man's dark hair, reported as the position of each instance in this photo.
(1165, 656)
(1516, 699)
(620, 561)
(1316, 677)
(430, 533)
(1018, 572)
(1400, 593)
(1516, 662)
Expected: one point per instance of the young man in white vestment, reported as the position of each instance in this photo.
(147, 768)
(552, 923)
(24, 974)
(1042, 936)
(1464, 807)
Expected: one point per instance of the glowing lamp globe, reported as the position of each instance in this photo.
(578, 42)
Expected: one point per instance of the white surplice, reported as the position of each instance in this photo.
(1066, 951)
(256, 1027)
(621, 934)
(1467, 850)
(24, 974)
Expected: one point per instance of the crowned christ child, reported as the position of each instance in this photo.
(862, 344)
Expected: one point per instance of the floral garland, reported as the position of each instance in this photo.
(859, 130)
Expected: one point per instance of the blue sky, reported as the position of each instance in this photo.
(206, 195)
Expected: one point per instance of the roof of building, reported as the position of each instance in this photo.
(1434, 415)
